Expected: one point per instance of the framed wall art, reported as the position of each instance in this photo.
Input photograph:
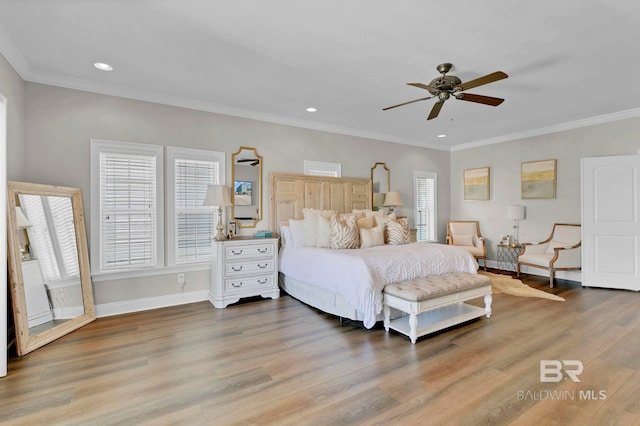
(538, 179)
(476, 184)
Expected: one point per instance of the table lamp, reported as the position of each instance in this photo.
(515, 213)
(218, 195)
(22, 223)
(392, 199)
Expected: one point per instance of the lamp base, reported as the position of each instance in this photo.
(220, 235)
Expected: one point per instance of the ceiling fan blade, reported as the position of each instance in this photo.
(489, 78)
(435, 110)
(423, 86)
(406, 103)
(487, 100)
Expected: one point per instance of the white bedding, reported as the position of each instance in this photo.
(360, 275)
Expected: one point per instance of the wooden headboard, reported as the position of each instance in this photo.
(290, 193)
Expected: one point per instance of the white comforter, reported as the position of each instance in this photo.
(360, 275)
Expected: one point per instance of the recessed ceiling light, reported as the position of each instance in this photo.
(312, 109)
(442, 136)
(102, 66)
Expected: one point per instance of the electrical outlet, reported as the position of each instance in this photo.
(181, 280)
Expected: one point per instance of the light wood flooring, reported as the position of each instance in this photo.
(281, 362)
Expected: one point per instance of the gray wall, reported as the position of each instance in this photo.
(12, 88)
(61, 122)
(504, 159)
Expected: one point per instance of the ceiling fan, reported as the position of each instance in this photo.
(446, 86)
(253, 161)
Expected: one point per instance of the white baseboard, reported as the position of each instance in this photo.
(562, 275)
(137, 305)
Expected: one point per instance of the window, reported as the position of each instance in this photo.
(425, 202)
(126, 206)
(320, 168)
(191, 225)
(52, 235)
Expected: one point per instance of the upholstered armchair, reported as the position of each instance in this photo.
(560, 252)
(466, 234)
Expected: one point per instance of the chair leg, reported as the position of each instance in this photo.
(517, 270)
(485, 264)
(552, 274)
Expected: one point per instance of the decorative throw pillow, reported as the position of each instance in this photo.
(324, 231)
(372, 237)
(296, 228)
(463, 240)
(397, 231)
(366, 222)
(344, 232)
(311, 226)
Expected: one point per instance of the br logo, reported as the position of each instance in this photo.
(553, 371)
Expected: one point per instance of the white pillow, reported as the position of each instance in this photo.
(463, 240)
(296, 227)
(311, 227)
(372, 237)
(554, 244)
(324, 231)
(367, 222)
(285, 236)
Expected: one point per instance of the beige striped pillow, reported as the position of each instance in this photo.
(344, 233)
(397, 231)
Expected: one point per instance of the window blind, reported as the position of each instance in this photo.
(65, 233)
(194, 222)
(425, 208)
(40, 238)
(127, 211)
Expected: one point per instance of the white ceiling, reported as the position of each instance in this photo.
(570, 63)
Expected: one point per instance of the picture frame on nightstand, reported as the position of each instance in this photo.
(232, 229)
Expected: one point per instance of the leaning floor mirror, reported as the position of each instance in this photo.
(49, 271)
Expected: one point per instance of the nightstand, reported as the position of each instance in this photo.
(508, 257)
(243, 267)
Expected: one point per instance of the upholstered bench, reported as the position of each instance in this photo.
(436, 302)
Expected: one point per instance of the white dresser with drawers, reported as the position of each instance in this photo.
(243, 267)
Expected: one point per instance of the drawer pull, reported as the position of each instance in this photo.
(237, 268)
(263, 281)
(263, 250)
(236, 252)
(237, 285)
(263, 266)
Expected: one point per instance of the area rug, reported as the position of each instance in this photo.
(508, 285)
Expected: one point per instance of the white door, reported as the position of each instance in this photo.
(611, 222)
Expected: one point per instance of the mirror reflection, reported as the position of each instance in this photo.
(48, 263)
(380, 184)
(50, 269)
(246, 195)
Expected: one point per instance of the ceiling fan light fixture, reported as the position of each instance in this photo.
(102, 66)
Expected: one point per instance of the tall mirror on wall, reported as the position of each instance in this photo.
(380, 184)
(49, 271)
(246, 194)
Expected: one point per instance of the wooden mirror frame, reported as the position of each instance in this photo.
(26, 342)
(246, 223)
(373, 169)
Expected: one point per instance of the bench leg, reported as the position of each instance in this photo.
(387, 316)
(487, 304)
(413, 328)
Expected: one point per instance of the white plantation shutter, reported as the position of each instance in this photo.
(62, 215)
(52, 235)
(128, 211)
(425, 202)
(194, 223)
(39, 237)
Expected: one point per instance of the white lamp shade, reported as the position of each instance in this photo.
(217, 195)
(21, 219)
(515, 212)
(392, 199)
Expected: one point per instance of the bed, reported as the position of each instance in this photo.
(348, 283)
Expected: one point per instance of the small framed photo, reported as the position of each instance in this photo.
(232, 229)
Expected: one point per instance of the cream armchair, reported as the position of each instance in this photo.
(560, 252)
(466, 234)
